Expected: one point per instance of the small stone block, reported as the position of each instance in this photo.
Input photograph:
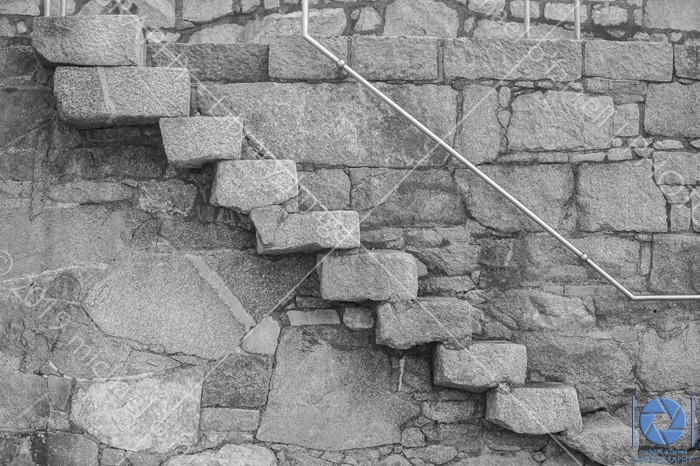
(480, 366)
(192, 142)
(373, 275)
(358, 318)
(541, 408)
(244, 185)
(315, 317)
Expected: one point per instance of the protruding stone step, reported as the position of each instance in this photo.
(541, 408)
(372, 275)
(279, 232)
(244, 185)
(480, 365)
(100, 40)
(124, 95)
(604, 439)
(404, 324)
(192, 142)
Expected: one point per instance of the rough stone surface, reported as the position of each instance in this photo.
(369, 20)
(295, 58)
(609, 15)
(337, 124)
(687, 61)
(358, 318)
(24, 401)
(480, 365)
(644, 61)
(420, 18)
(327, 189)
(113, 40)
(405, 58)
(95, 97)
(329, 392)
(313, 317)
(604, 439)
(625, 124)
(676, 169)
(229, 419)
(673, 110)
(168, 197)
(244, 185)
(262, 339)
(223, 63)
(620, 197)
(433, 454)
(372, 275)
(207, 10)
(508, 59)
(405, 324)
(240, 381)
(672, 14)
(106, 411)
(70, 449)
(83, 192)
(675, 264)
(192, 142)
(535, 409)
(487, 7)
(560, 121)
(229, 455)
(479, 137)
(282, 233)
(660, 369)
(490, 209)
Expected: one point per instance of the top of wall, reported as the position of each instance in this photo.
(229, 21)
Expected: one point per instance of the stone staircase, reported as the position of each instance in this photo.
(101, 80)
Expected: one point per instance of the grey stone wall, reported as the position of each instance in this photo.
(600, 139)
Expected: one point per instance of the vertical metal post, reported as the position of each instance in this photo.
(63, 7)
(47, 7)
(577, 18)
(526, 18)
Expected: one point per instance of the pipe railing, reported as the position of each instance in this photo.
(47, 8)
(577, 18)
(583, 257)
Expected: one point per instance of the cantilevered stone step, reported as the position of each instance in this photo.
(279, 232)
(125, 95)
(192, 142)
(604, 439)
(109, 40)
(372, 275)
(480, 365)
(541, 408)
(244, 185)
(405, 324)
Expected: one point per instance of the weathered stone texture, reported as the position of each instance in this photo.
(637, 60)
(95, 97)
(479, 136)
(661, 369)
(480, 365)
(404, 198)
(109, 40)
(224, 63)
(192, 142)
(130, 414)
(337, 124)
(23, 109)
(71, 449)
(205, 10)
(604, 439)
(322, 396)
(82, 192)
(324, 190)
(625, 123)
(672, 14)
(620, 197)
(229, 455)
(676, 169)
(535, 409)
(560, 121)
(238, 381)
(168, 197)
(295, 58)
(687, 60)
(372, 275)
(24, 401)
(404, 58)
(405, 324)
(673, 110)
(124, 162)
(490, 209)
(420, 18)
(559, 60)
(229, 419)
(676, 264)
(244, 185)
(263, 338)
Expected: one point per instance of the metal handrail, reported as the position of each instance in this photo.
(577, 18)
(583, 257)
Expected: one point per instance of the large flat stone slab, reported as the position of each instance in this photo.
(239, 381)
(635, 60)
(192, 142)
(98, 97)
(244, 185)
(24, 402)
(229, 455)
(337, 124)
(100, 40)
(563, 120)
(480, 365)
(404, 58)
(131, 414)
(673, 110)
(535, 409)
(333, 390)
(560, 60)
(405, 324)
(372, 275)
(282, 233)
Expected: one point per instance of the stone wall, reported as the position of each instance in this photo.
(127, 298)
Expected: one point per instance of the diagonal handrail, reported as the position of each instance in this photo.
(583, 257)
